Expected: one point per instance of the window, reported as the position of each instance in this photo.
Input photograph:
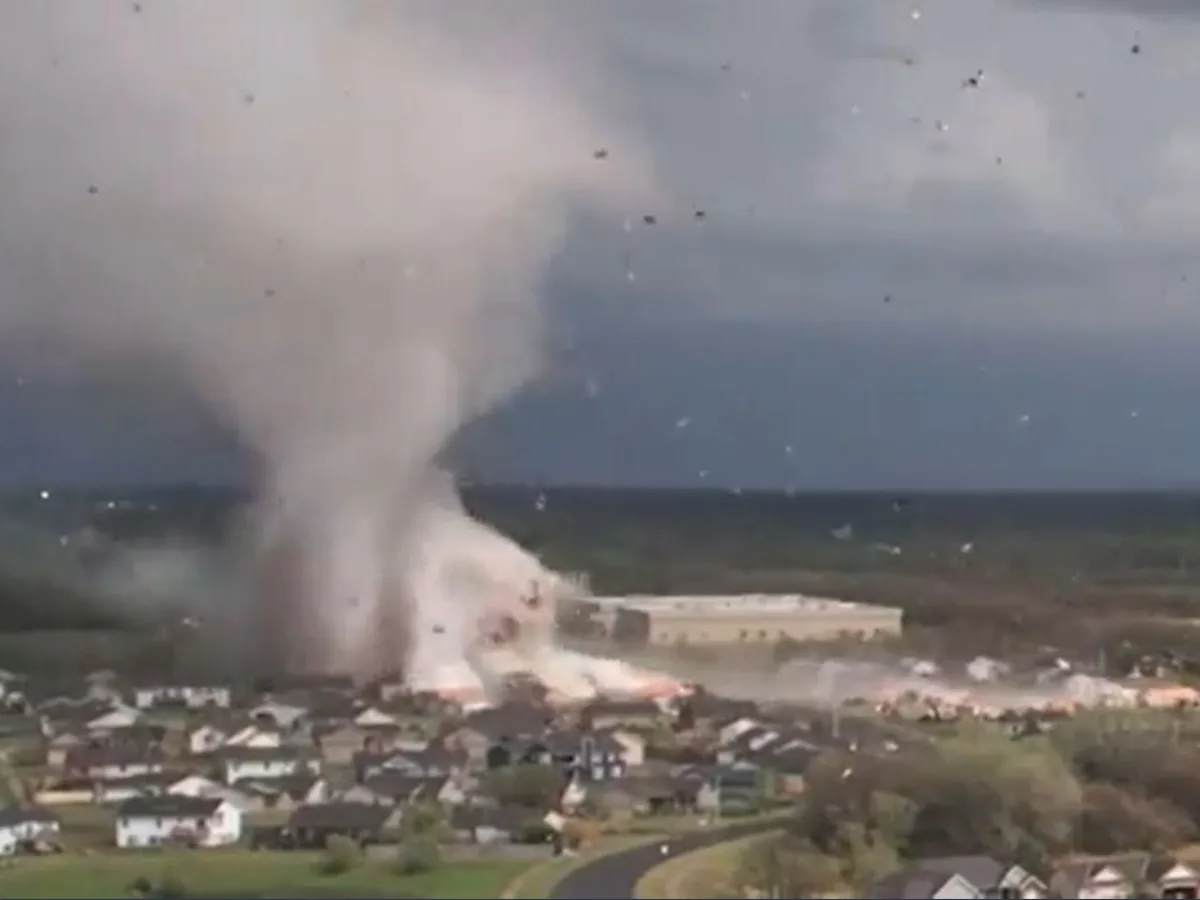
(743, 634)
(762, 635)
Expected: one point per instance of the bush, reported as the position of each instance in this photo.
(170, 885)
(341, 855)
(416, 855)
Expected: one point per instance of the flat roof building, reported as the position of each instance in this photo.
(750, 618)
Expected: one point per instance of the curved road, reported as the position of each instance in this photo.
(615, 876)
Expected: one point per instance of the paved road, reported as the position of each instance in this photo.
(615, 876)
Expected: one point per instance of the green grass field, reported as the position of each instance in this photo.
(243, 873)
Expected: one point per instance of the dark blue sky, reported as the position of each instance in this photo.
(899, 280)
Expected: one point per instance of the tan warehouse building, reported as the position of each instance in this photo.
(724, 620)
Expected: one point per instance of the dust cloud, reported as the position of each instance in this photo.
(330, 220)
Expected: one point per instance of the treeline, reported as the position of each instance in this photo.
(33, 603)
(1106, 782)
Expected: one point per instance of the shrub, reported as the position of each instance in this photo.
(341, 855)
(416, 855)
(170, 885)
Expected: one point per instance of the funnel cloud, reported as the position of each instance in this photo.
(330, 220)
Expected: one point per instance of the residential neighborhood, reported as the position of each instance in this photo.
(108, 767)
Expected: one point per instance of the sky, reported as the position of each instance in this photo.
(943, 245)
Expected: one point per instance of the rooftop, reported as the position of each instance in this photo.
(738, 605)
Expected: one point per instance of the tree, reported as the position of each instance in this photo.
(526, 784)
(783, 867)
(1117, 820)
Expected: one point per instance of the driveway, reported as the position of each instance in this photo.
(615, 876)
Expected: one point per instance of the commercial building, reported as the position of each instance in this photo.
(747, 619)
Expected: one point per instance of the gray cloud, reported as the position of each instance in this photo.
(1063, 196)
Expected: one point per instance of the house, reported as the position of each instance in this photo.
(215, 731)
(196, 785)
(339, 745)
(602, 714)
(1101, 878)
(428, 761)
(286, 792)
(107, 762)
(283, 716)
(312, 825)
(62, 743)
(118, 790)
(177, 819)
(492, 825)
(374, 717)
(723, 789)
(483, 729)
(911, 883)
(239, 763)
(632, 744)
(991, 877)
(1126, 875)
(186, 695)
(92, 716)
(391, 788)
(631, 796)
(1173, 879)
(594, 757)
(21, 827)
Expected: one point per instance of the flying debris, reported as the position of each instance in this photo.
(915, 15)
(974, 81)
(92, 189)
(650, 219)
(942, 126)
(540, 503)
(842, 533)
(45, 495)
(900, 504)
(968, 547)
(683, 422)
(438, 629)
(1135, 49)
(600, 153)
(248, 99)
(700, 214)
(664, 849)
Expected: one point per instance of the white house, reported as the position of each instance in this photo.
(212, 736)
(372, 717)
(17, 825)
(177, 819)
(192, 696)
(239, 763)
(285, 715)
(114, 718)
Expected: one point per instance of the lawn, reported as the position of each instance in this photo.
(702, 873)
(246, 874)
